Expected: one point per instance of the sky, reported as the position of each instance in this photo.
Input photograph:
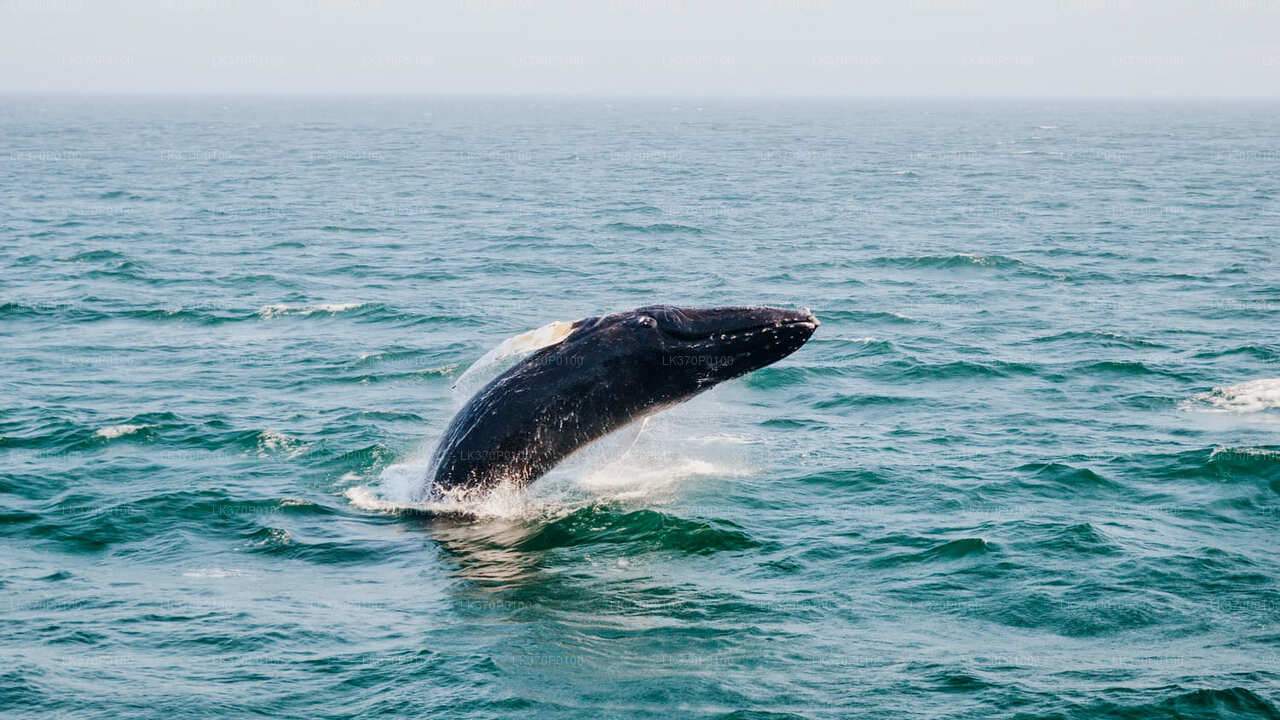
(928, 48)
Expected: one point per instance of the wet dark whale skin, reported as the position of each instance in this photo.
(607, 372)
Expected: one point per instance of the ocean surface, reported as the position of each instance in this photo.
(1029, 465)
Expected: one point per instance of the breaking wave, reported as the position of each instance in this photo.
(1254, 396)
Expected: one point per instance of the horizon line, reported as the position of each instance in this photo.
(560, 95)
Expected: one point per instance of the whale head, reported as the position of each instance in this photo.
(676, 352)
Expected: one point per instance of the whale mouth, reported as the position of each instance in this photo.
(735, 341)
(729, 323)
(797, 329)
(806, 325)
(809, 323)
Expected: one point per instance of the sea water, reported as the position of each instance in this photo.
(1028, 466)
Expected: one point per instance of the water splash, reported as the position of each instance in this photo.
(1253, 396)
(645, 463)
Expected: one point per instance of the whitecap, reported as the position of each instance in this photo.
(1257, 452)
(273, 441)
(268, 312)
(1247, 397)
(114, 431)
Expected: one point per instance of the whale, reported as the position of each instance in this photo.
(597, 375)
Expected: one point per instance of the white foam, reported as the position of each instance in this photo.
(400, 484)
(1249, 451)
(273, 441)
(111, 432)
(267, 312)
(1248, 397)
(646, 463)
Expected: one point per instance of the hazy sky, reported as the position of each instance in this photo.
(643, 47)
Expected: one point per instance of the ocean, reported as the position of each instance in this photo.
(1028, 467)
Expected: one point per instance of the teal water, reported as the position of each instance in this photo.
(1028, 466)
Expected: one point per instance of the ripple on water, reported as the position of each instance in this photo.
(641, 531)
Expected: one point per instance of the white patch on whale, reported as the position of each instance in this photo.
(506, 354)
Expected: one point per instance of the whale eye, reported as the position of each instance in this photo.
(646, 321)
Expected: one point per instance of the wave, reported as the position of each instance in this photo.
(656, 228)
(88, 523)
(1091, 615)
(119, 195)
(912, 369)
(1258, 352)
(639, 208)
(646, 530)
(351, 230)
(953, 550)
(164, 438)
(20, 310)
(363, 312)
(1131, 368)
(1254, 396)
(1198, 704)
(865, 400)
(1251, 465)
(1079, 539)
(441, 371)
(204, 315)
(280, 542)
(97, 256)
(861, 347)
(1065, 480)
(274, 442)
(964, 261)
(267, 312)
(1095, 338)
(112, 432)
(775, 376)
(866, 316)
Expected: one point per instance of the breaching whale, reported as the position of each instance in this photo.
(604, 373)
